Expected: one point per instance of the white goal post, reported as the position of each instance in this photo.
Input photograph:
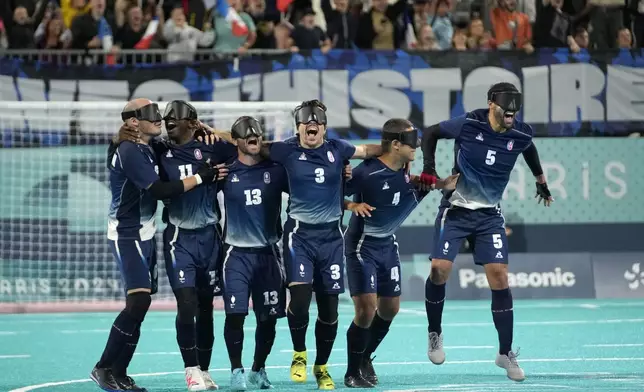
(55, 197)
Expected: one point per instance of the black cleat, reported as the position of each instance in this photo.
(356, 381)
(126, 383)
(368, 372)
(105, 380)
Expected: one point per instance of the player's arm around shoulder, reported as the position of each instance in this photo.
(355, 186)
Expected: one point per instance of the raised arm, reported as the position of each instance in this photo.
(366, 151)
(450, 129)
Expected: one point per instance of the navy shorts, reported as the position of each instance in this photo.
(315, 254)
(483, 228)
(137, 261)
(255, 273)
(193, 258)
(373, 266)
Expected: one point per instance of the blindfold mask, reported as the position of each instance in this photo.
(408, 138)
(246, 127)
(149, 112)
(307, 114)
(180, 110)
(509, 101)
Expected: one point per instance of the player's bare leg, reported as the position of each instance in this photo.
(358, 338)
(388, 308)
(297, 314)
(434, 302)
(503, 316)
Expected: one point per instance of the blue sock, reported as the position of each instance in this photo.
(434, 302)
(503, 317)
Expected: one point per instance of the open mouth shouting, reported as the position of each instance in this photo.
(312, 130)
(252, 141)
(508, 118)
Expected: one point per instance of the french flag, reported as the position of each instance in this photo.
(149, 34)
(239, 28)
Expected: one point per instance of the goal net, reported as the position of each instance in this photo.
(55, 197)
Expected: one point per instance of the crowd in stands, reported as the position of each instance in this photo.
(183, 26)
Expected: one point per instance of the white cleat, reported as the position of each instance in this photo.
(435, 350)
(211, 385)
(510, 364)
(194, 379)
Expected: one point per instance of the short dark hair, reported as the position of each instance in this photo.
(500, 87)
(313, 102)
(394, 125)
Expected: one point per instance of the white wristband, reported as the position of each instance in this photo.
(198, 178)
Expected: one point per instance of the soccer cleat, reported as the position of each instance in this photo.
(435, 351)
(104, 379)
(356, 381)
(211, 385)
(323, 377)
(259, 379)
(511, 365)
(367, 370)
(238, 380)
(298, 366)
(194, 379)
(126, 383)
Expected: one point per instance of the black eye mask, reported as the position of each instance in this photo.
(149, 112)
(509, 101)
(409, 138)
(246, 127)
(307, 114)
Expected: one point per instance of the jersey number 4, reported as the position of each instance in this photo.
(253, 197)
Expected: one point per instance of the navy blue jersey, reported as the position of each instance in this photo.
(391, 193)
(315, 178)
(197, 208)
(484, 158)
(133, 168)
(253, 203)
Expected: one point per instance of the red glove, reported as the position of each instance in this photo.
(428, 179)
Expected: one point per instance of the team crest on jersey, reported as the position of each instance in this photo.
(198, 154)
(510, 145)
(329, 155)
(267, 178)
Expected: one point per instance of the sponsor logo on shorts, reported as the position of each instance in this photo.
(182, 277)
(302, 273)
(336, 286)
(557, 278)
(232, 301)
(634, 276)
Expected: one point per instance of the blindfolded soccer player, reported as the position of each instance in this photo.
(487, 145)
(385, 195)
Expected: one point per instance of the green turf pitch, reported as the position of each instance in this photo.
(565, 346)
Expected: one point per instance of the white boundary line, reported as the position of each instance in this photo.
(53, 384)
(17, 356)
(615, 345)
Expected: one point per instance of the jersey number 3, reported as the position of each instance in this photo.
(253, 197)
(490, 158)
(319, 175)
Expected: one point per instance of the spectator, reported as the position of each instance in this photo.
(636, 8)
(225, 40)
(419, 14)
(528, 7)
(553, 28)
(196, 13)
(4, 43)
(426, 39)
(307, 36)
(478, 37)
(581, 37)
(91, 30)
(182, 38)
(341, 23)
(459, 40)
(283, 36)
(264, 23)
(21, 35)
(51, 33)
(378, 28)
(511, 29)
(606, 19)
(624, 39)
(441, 22)
(133, 30)
(73, 8)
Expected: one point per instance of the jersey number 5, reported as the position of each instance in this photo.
(185, 171)
(253, 196)
(490, 158)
